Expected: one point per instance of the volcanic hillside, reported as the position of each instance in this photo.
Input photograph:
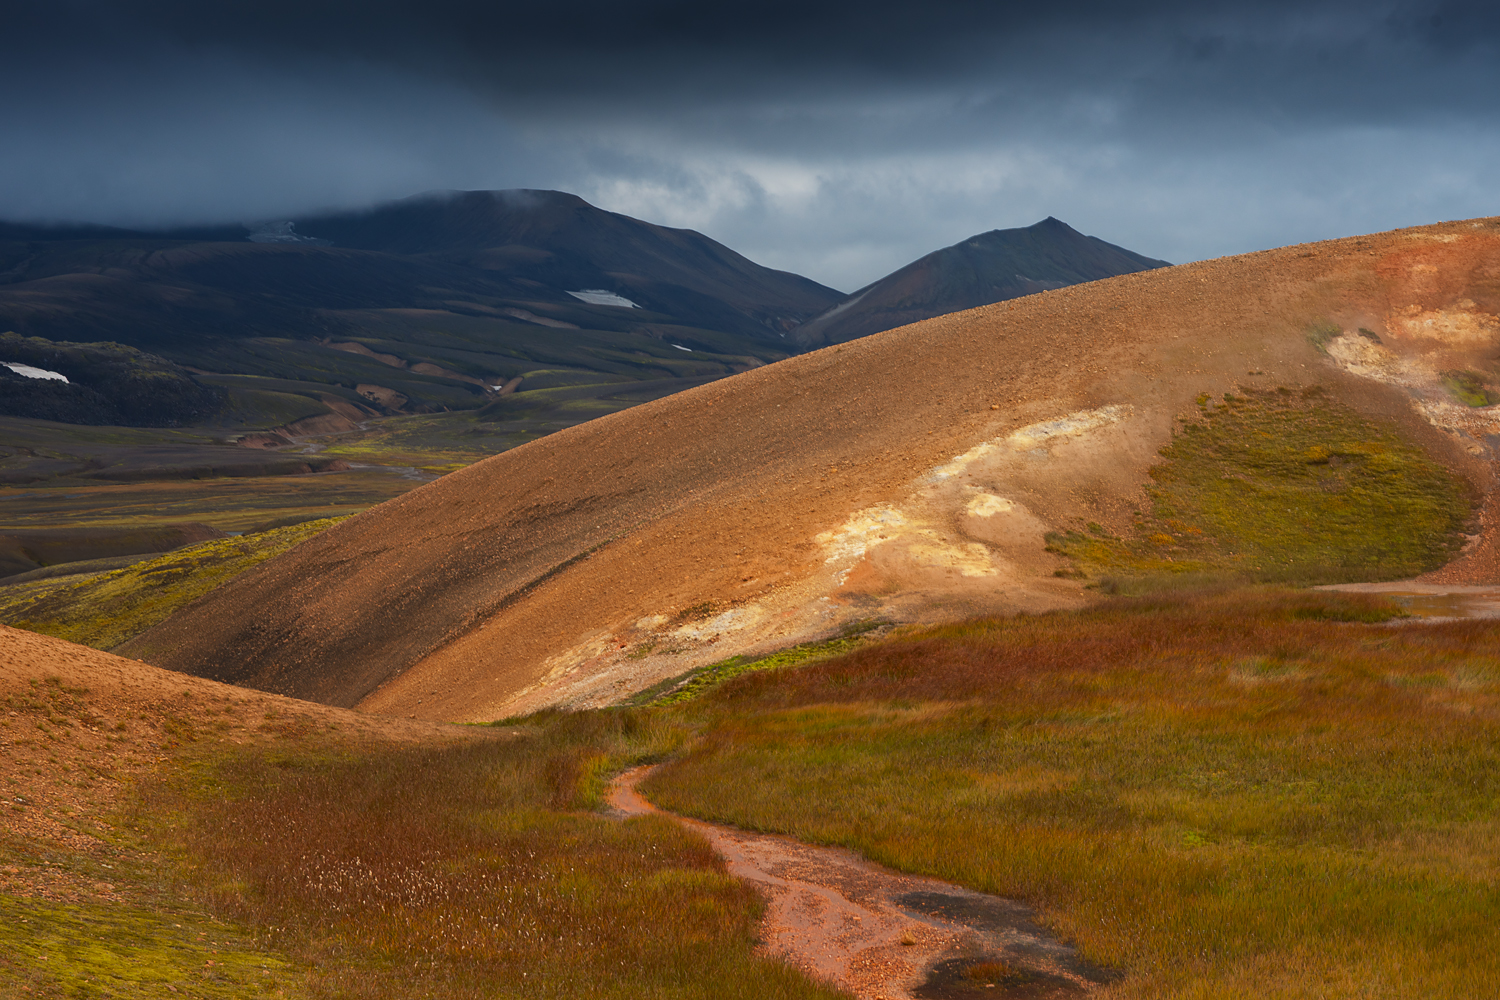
(947, 469)
(990, 267)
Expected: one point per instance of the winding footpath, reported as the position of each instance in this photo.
(879, 934)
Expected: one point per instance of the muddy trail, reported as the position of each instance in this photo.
(882, 935)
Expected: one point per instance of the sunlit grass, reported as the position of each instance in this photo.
(470, 871)
(1277, 486)
(113, 950)
(1255, 795)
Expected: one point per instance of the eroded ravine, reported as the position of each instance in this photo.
(878, 933)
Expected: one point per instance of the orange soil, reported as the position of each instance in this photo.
(78, 726)
(770, 507)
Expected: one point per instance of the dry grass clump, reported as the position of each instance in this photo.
(1239, 795)
(980, 658)
(465, 872)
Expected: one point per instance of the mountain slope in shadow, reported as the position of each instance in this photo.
(559, 240)
(990, 267)
(435, 301)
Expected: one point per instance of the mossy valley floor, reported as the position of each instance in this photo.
(1255, 793)
(103, 610)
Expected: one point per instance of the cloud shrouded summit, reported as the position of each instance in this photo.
(836, 139)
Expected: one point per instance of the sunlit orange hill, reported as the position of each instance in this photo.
(908, 476)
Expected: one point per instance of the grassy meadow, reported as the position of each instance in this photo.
(1256, 793)
(302, 863)
(470, 871)
(1253, 794)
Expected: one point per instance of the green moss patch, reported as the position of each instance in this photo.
(1469, 388)
(106, 609)
(52, 950)
(1281, 487)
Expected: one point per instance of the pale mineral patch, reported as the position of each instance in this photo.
(864, 530)
(559, 665)
(729, 621)
(1361, 356)
(970, 559)
(988, 505)
(1038, 435)
(1464, 324)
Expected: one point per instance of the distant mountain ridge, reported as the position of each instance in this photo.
(560, 240)
(990, 267)
(436, 301)
(508, 244)
(421, 305)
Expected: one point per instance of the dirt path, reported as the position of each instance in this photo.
(880, 934)
(1432, 601)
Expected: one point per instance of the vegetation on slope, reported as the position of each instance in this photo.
(1249, 794)
(1282, 487)
(89, 950)
(106, 609)
(1245, 795)
(95, 909)
(467, 871)
(211, 844)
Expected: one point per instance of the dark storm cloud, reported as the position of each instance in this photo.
(840, 139)
(1244, 51)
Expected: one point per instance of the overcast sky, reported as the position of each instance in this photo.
(839, 140)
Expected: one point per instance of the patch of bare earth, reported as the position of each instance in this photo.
(880, 934)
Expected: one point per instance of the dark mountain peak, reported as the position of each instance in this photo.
(559, 240)
(988, 267)
(446, 221)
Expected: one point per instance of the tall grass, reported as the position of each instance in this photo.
(468, 871)
(1242, 795)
